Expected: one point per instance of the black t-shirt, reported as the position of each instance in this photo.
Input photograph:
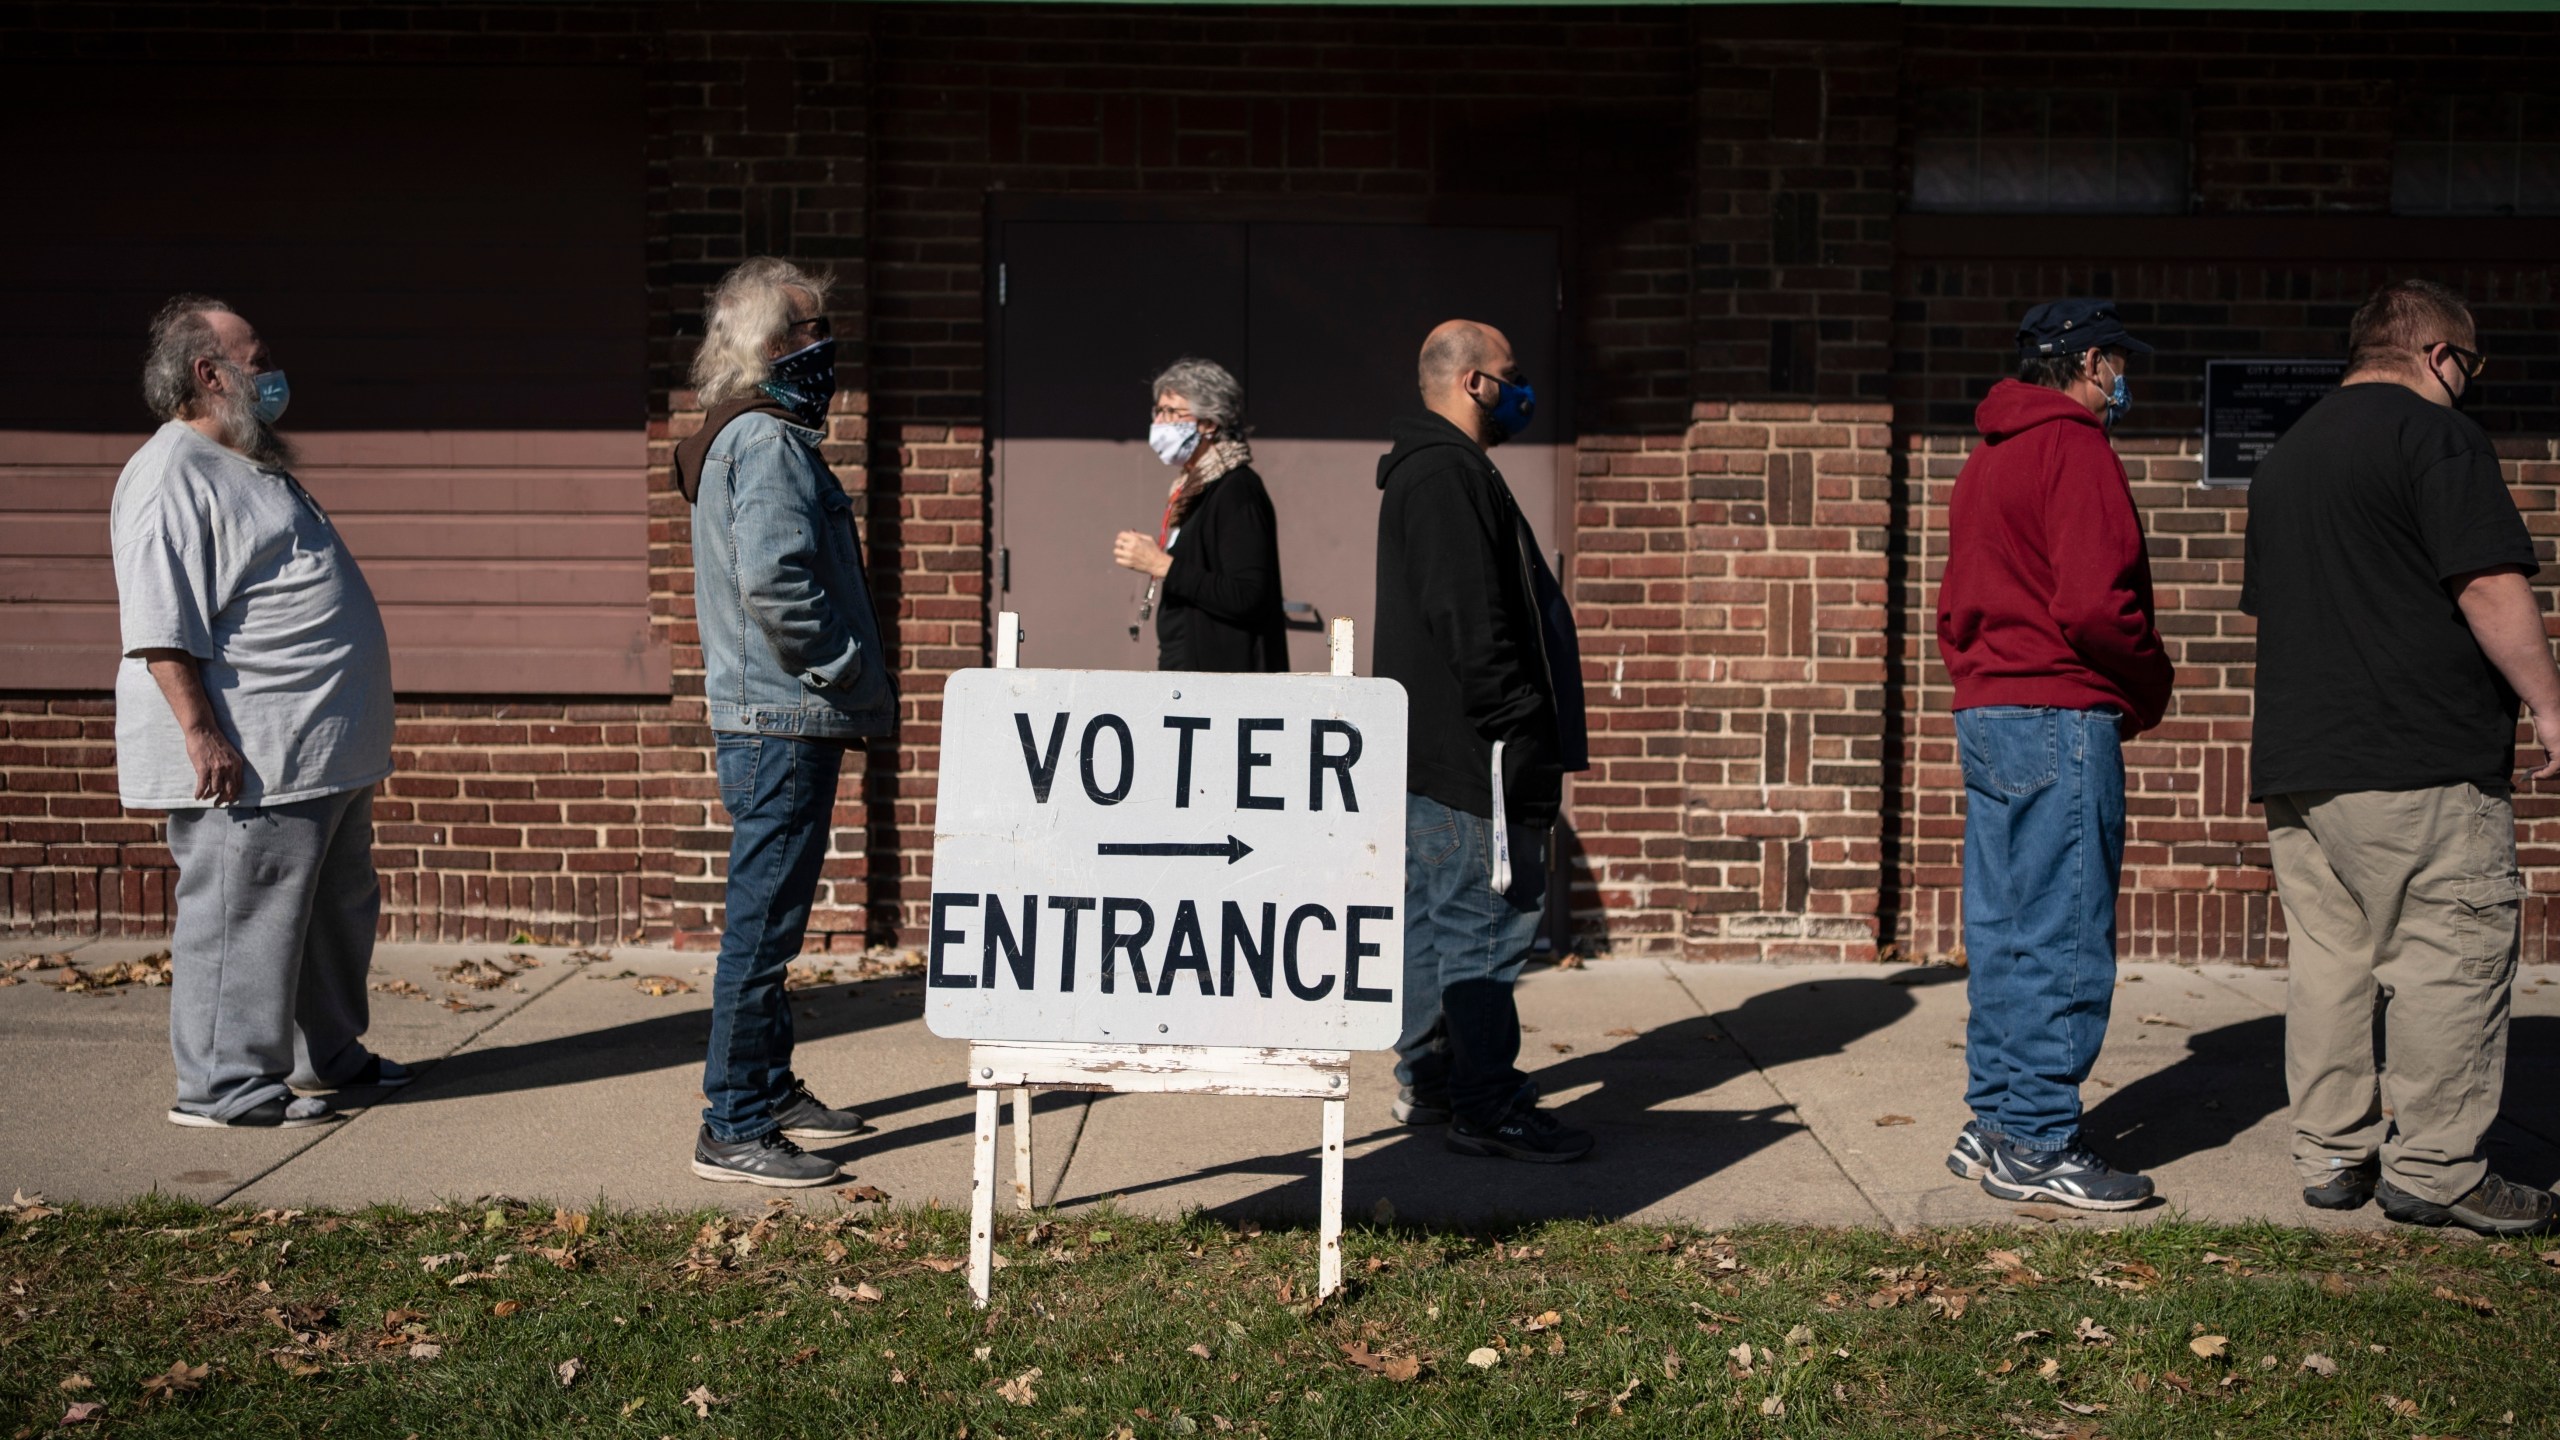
(2368, 678)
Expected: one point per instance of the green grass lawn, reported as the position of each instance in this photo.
(832, 1318)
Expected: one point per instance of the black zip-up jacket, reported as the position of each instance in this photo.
(1221, 601)
(1485, 650)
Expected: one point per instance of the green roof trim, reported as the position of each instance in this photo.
(2444, 8)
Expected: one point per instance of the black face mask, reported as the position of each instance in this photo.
(804, 381)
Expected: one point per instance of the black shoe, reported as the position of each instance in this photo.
(2347, 1188)
(1412, 1109)
(805, 1117)
(768, 1159)
(1970, 1157)
(375, 1074)
(278, 1112)
(2072, 1176)
(1527, 1133)
(2495, 1206)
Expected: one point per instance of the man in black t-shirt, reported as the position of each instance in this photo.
(2387, 567)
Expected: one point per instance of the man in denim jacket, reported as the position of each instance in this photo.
(795, 674)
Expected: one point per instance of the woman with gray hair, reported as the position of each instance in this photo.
(1215, 557)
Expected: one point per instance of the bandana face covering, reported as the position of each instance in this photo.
(803, 381)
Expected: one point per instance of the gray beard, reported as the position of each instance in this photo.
(235, 411)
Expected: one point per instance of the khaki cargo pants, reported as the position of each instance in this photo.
(2403, 909)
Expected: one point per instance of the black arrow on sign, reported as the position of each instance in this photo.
(1233, 848)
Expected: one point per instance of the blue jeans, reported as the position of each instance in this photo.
(781, 797)
(1464, 945)
(2043, 852)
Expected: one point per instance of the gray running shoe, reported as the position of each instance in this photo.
(1412, 1109)
(2070, 1176)
(769, 1159)
(805, 1117)
(2495, 1206)
(1970, 1157)
(2347, 1188)
(280, 1112)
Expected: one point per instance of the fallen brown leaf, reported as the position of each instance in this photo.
(2475, 1303)
(2090, 1332)
(665, 985)
(180, 1378)
(1885, 1120)
(939, 1265)
(1196, 1348)
(701, 1399)
(82, 1413)
(2320, 1365)
(1018, 1389)
(568, 1371)
(1622, 1032)
(2211, 1347)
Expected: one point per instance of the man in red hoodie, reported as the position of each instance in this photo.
(2044, 620)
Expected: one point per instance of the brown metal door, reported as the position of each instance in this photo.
(1321, 322)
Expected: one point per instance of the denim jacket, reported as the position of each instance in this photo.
(790, 645)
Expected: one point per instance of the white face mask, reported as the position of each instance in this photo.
(1174, 442)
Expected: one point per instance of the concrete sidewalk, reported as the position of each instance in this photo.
(1720, 1094)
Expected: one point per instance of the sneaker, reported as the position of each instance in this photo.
(2347, 1188)
(2495, 1206)
(1412, 1109)
(376, 1074)
(1527, 1133)
(2070, 1176)
(278, 1112)
(769, 1159)
(1970, 1157)
(805, 1117)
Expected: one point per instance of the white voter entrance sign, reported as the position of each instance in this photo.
(1177, 859)
(1166, 882)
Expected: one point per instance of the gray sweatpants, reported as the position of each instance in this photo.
(276, 907)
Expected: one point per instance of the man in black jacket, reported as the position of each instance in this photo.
(1473, 625)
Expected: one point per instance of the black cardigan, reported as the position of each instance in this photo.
(1220, 605)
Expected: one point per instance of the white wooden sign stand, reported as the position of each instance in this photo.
(1022, 1066)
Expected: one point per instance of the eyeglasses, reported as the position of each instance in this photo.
(817, 325)
(2471, 361)
(1172, 416)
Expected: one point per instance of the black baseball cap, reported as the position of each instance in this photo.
(2067, 327)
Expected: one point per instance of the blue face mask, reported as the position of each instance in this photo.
(2119, 400)
(803, 382)
(273, 395)
(1514, 407)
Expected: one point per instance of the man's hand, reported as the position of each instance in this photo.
(219, 766)
(2546, 733)
(1134, 551)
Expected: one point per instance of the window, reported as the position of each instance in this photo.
(2477, 155)
(2046, 152)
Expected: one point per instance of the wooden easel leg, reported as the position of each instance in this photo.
(982, 1202)
(1329, 1221)
(1022, 1177)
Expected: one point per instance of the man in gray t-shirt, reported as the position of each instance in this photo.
(254, 705)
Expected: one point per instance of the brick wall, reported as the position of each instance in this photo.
(2198, 883)
(1772, 391)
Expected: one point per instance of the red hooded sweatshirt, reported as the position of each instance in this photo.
(2047, 594)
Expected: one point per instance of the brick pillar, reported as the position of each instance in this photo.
(1787, 599)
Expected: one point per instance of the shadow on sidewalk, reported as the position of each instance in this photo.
(2233, 1077)
(820, 1013)
(1651, 1146)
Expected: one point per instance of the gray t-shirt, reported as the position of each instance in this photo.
(238, 566)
